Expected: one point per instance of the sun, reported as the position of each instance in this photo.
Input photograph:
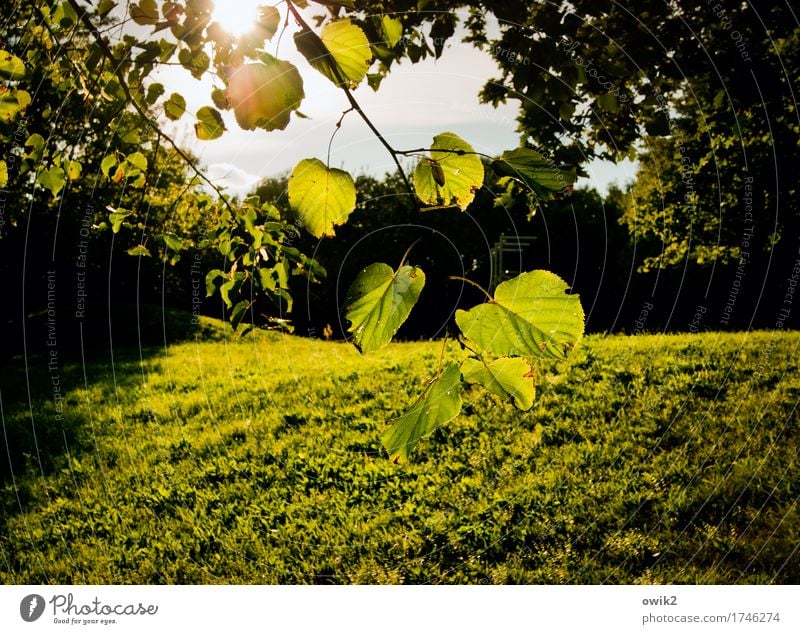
(237, 16)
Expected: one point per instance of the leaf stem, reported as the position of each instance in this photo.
(117, 68)
(441, 355)
(357, 107)
(475, 284)
(408, 251)
(338, 127)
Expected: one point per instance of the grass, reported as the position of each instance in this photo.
(650, 459)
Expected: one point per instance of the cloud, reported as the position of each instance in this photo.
(234, 179)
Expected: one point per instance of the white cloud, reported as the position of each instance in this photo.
(234, 179)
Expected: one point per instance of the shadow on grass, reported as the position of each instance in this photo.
(43, 392)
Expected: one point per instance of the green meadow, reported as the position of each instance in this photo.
(648, 459)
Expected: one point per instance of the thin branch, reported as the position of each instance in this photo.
(423, 151)
(355, 105)
(84, 17)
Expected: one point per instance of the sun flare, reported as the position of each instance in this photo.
(237, 16)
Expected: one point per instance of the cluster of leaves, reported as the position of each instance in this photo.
(529, 317)
(256, 245)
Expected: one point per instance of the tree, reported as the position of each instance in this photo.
(704, 94)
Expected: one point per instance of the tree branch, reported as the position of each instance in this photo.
(116, 65)
(356, 106)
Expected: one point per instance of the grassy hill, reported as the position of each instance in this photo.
(653, 459)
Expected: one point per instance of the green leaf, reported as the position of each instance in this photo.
(12, 67)
(392, 29)
(145, 12)
(451, 175)
(173, 243)
(542, 175)
(209, 124)
(321, 197)
(530, 316)
(3, 174)
(341, 52)
(263, 95)
(107, 164)
(379, 301)
(10, 105)
(139, 250)
(175, 106)
(226, 289)
(154, 92)
(220, 99)
(73, 170)
(507, 377)
(36, 144)
(238, 312)
(52, 179)
(439, 404)
(137, 160)
(269, 19)
(105, 6)
(117, 217)
(211, 279)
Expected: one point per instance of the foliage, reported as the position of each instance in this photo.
(263, 91)
(702, 94)
(657, 459)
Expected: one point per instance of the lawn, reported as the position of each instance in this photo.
(648, 459)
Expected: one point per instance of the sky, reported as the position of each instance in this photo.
(415, 102)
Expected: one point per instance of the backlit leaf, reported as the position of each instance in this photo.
(139, 250)
(439, 404)
(137, 160)
(12, 67)
(451, 175)
(341, 52)
(209, 124)
(9, 105)
(530, 316)
(542, 175)
(52, 179)
(392, 29)
(107, 164)
(145, 12)
(507, 377)
(321, 197)
(263, 95)
(116, 217)
(269, 19)
(175, 106)
(3, 174)
(73, 170)
(379, 301)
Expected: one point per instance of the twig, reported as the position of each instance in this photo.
(84, 17)
(355, 105)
